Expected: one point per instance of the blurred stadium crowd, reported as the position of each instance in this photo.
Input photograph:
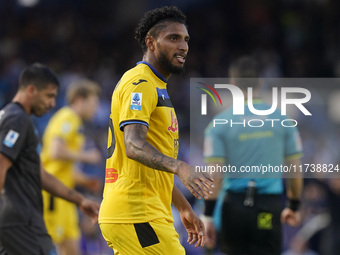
(94, 39)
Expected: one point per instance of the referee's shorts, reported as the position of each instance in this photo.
(154, 237)
(252, 230)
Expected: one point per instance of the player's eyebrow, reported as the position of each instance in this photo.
(178, 35)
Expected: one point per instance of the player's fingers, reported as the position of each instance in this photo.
(199, 228)
(189, 237)
(202, 233)
(207, 183)
(201, 241)
(208, 176)
(205, 191)
(194, 239)
(292, 221)
(206, 187)
(198, 190)
(193, 191)
(198, 242)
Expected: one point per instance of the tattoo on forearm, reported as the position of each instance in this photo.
(70, 193)
(145, 153)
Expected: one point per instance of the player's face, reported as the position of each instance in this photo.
(44, 100)
(89, 106)
(172, 47)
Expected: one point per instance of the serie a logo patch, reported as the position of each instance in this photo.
(136, 101)
(11, 138)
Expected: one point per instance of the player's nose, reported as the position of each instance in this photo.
(53, 103)
(183, 46)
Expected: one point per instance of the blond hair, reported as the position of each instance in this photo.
(82, 88)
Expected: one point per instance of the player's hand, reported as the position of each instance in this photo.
(290, 217)
(198, 183)
(194, 227)
(93, 156)
(93, 184)
(90, 208)
(210, 231)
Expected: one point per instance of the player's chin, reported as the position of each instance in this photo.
(40, 112)
(178, 69)
(37, 112)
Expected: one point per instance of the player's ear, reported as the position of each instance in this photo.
(150, 42)
(31, 90)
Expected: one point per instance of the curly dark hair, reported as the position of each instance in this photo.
(155, 20)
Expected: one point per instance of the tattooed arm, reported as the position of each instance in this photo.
(57, 188)
(137, 148)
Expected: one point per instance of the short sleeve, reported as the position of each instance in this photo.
(13, 133)
(214, 149)
(137, 102)
(293, 144)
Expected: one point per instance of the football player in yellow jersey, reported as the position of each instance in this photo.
(135, 215)
(63, 142)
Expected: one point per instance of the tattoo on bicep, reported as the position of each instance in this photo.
(140, 130)
(144, 152)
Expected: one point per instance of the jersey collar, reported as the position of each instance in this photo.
(153, 70)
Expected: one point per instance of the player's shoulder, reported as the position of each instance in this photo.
(14, 112)
(137, 76)
(65, 114)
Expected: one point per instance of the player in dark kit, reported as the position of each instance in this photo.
(22, 228)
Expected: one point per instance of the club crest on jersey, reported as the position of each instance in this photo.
(136, 101)
(174, 124)
(11, 138)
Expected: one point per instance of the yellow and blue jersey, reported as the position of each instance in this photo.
(133, 192)
(67, 126)
(60, 216)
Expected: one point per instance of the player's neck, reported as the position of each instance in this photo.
(77, 108)
(22, 99)
(151, 59)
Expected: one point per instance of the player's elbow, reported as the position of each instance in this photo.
(131, 148)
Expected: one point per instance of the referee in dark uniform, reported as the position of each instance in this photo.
(22, 229)
(249, 208)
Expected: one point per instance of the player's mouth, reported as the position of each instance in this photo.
(181, 58)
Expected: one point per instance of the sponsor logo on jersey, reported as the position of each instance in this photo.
(174, 124)
(66, 127)
(140, 81)
(111, 175)
(11, 138)
(136, 101)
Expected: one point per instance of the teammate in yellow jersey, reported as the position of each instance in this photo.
(135, 215)
(63, 142)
